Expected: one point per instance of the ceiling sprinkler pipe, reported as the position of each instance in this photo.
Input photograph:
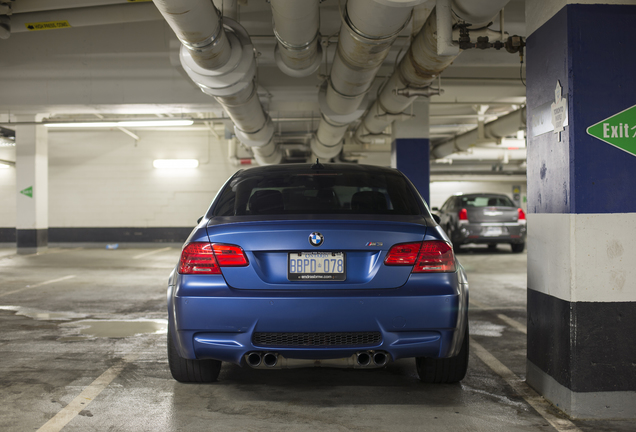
(296, 23)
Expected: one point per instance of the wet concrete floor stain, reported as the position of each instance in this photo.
(42, 315)
(82, 329)
(114, 328)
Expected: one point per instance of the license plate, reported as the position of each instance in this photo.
(316, 266)
(493, 232)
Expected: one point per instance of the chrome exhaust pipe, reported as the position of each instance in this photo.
(254, 359)
(380, 358)
(270, 359)
(363, 358)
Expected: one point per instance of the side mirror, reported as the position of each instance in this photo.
(199, 220)
(436, 218)
(435, 209)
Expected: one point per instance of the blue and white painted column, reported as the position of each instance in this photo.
(410, 148)
(32, 184)
(582, 206)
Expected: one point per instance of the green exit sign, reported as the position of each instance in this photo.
(618, 130)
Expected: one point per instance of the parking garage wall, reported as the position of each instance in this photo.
(103, 186)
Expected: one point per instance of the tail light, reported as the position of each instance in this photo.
(403, 254)
(433, 256)
(229, 255)
(463, 215)
(206, 258)
(522, 215)
(198, 258)
(436, 256)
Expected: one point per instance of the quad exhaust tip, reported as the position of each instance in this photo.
(254, 359)
(270, 359)
(363, 359)
(380, 358)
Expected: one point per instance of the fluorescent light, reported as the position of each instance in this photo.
(81, 125)
(146, 123)
(139, 123)
(6, 142)
(4, 165)
(175, 163)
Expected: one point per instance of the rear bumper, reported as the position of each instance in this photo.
(416, 320)
(490, 233)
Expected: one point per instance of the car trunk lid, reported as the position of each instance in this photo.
(268, 245)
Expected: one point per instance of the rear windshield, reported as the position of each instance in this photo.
(283, 193)
(486, 201)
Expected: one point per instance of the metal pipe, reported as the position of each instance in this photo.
(418, 69)
(504, 126)
(199, 27)
(298, 52)
(367, 32)
(218, 55)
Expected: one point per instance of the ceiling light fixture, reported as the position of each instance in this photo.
(6, 142)
(175, 163)
(130, 124)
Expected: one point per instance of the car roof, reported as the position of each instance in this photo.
(311, 167)
(484, 194)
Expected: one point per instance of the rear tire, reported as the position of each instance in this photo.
(444, 370)
(185, 370)
(517, 247)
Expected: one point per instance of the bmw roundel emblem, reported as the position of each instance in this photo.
(316, 239)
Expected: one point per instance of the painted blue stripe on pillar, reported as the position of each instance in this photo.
(581, 174)
(412, 157)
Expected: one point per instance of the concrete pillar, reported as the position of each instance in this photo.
(32, 186)
(410, 148)
(582, 206)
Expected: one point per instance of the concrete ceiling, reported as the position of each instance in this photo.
(127, 68)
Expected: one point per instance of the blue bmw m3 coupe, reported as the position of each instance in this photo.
(334, 265)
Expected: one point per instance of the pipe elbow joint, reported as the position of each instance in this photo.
(235, 75)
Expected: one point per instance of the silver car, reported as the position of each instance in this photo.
(483, 218)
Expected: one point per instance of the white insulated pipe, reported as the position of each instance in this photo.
(368, 30)
(478, 13)
(207, 39)
(199, 27)
(296, 25)
(504, 126)
(418, 69)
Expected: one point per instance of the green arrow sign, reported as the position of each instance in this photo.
(618, 130)
(28, 192)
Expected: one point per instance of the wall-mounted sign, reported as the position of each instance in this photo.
(559, 109)
(618, 130)
(28, 191)
(49, 25)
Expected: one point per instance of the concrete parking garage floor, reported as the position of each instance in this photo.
(82, 348)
